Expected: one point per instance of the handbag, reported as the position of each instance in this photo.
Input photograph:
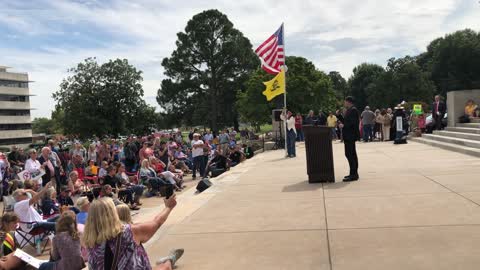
(114, 263)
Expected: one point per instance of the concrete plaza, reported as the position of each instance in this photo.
(415, 207)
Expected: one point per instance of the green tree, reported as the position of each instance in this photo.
(252, 104)
(100, 99)
(453, 61)
(143, 120)
(340, 86)
(210, 64)
(363, 75)
(58, 117)
(402, 80)
(307, 89)
(42, 125)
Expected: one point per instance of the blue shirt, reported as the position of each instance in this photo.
(82, 217)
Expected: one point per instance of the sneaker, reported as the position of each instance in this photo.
(173, 257)
(134, 207)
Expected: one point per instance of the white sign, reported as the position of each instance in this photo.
(28, 258)
(399, 123)
(26, 175)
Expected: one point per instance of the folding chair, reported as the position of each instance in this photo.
(84, 178)
(8, 204)
(25, 238)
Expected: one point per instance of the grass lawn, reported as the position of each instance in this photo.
(265, 128)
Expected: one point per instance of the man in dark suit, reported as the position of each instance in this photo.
(351, 134)
(438, 111)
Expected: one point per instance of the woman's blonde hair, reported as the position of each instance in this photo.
(124, 214)
(48, 194)
(102, 223)
(68, 223)
(81, 202)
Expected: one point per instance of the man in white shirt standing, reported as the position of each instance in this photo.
(27, 213)
(197, 155)
(289, 120)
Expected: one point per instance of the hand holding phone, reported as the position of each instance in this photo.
(171, 202)
(169, 191)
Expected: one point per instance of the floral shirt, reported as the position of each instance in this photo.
(131, 256)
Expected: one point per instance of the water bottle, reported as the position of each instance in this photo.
(38, 245)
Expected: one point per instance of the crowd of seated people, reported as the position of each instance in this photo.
(72, 187)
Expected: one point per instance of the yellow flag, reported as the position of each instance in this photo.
(276, 86)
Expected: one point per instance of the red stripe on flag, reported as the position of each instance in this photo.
(272, 46)
(265, 43)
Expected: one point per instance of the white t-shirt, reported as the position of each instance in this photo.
(3, 167)
(32, 165)
(199, 150)
(26, 213)
(169, 176)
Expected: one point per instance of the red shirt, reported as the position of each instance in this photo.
(298, 122)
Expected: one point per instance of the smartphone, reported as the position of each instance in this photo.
(169, 191)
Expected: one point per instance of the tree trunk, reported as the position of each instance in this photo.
(213, 101)
(213, 116)
(235, 121)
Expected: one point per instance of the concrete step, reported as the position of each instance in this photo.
(452, 140)
(468, 125)
(464, 130)
(448, 146)
(475, 120)
(459, 135)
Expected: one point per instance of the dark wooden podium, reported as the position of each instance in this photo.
(318, 145)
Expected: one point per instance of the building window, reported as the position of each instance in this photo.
(16, 141)
(14, 98)
(14, 112)
(15, 126)
(8, 83)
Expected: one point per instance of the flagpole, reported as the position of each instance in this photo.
(285, 87)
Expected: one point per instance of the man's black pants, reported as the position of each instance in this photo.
(351, 154)
(438, 121)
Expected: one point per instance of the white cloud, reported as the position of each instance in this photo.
(335, 35)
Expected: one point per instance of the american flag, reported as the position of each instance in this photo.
(271, 52)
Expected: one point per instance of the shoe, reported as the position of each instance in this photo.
(351, 178)
(173, 257)
(134, 207)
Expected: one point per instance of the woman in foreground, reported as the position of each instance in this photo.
(113, 245)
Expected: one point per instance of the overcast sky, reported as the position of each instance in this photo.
(46, 37)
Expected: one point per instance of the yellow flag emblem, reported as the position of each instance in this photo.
(276, 86)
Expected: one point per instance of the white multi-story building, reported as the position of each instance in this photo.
(15, 122)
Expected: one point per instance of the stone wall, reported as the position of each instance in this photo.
(456, 103)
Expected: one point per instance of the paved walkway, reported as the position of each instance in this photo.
(415, 207)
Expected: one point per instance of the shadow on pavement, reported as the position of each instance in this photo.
(335, 185)
(301, 186)
(277, 159)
